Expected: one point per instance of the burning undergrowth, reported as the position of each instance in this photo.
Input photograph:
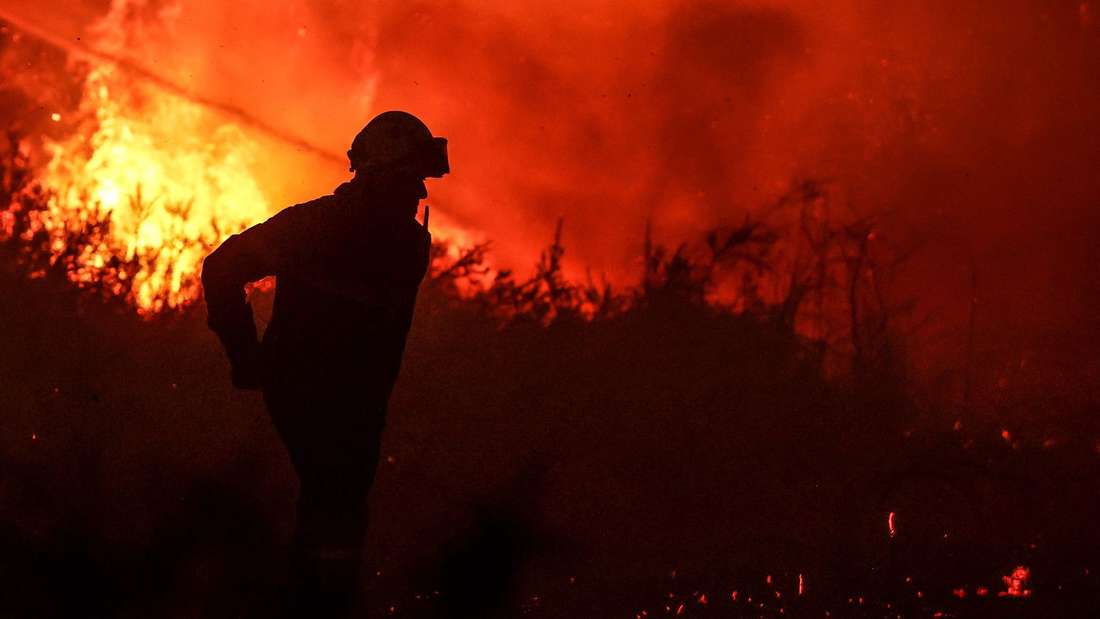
(137, 184)
(166, 180)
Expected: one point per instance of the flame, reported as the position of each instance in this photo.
(172, 177)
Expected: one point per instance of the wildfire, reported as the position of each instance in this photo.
(172, 178)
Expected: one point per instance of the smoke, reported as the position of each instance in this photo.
(969, 127)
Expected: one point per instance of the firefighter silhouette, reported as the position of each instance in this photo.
(347, 269)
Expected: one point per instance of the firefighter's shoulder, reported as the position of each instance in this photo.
(303, 219)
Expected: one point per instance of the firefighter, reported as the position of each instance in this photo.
(347, 269)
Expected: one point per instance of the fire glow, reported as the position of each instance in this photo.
(162, 174)
(171, 176)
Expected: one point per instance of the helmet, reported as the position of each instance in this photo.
(395, 140)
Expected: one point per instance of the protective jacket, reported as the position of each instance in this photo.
(347, 271)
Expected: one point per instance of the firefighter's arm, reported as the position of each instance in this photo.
(242, 258)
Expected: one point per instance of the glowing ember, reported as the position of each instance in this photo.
(890, 525)
(1016, 583)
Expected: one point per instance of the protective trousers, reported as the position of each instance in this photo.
(333, 441)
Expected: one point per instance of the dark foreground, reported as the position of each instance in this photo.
(670, 460)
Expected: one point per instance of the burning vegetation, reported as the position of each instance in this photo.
(167, 179)
(139, 184)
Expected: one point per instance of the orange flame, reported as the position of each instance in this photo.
(173, 179)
